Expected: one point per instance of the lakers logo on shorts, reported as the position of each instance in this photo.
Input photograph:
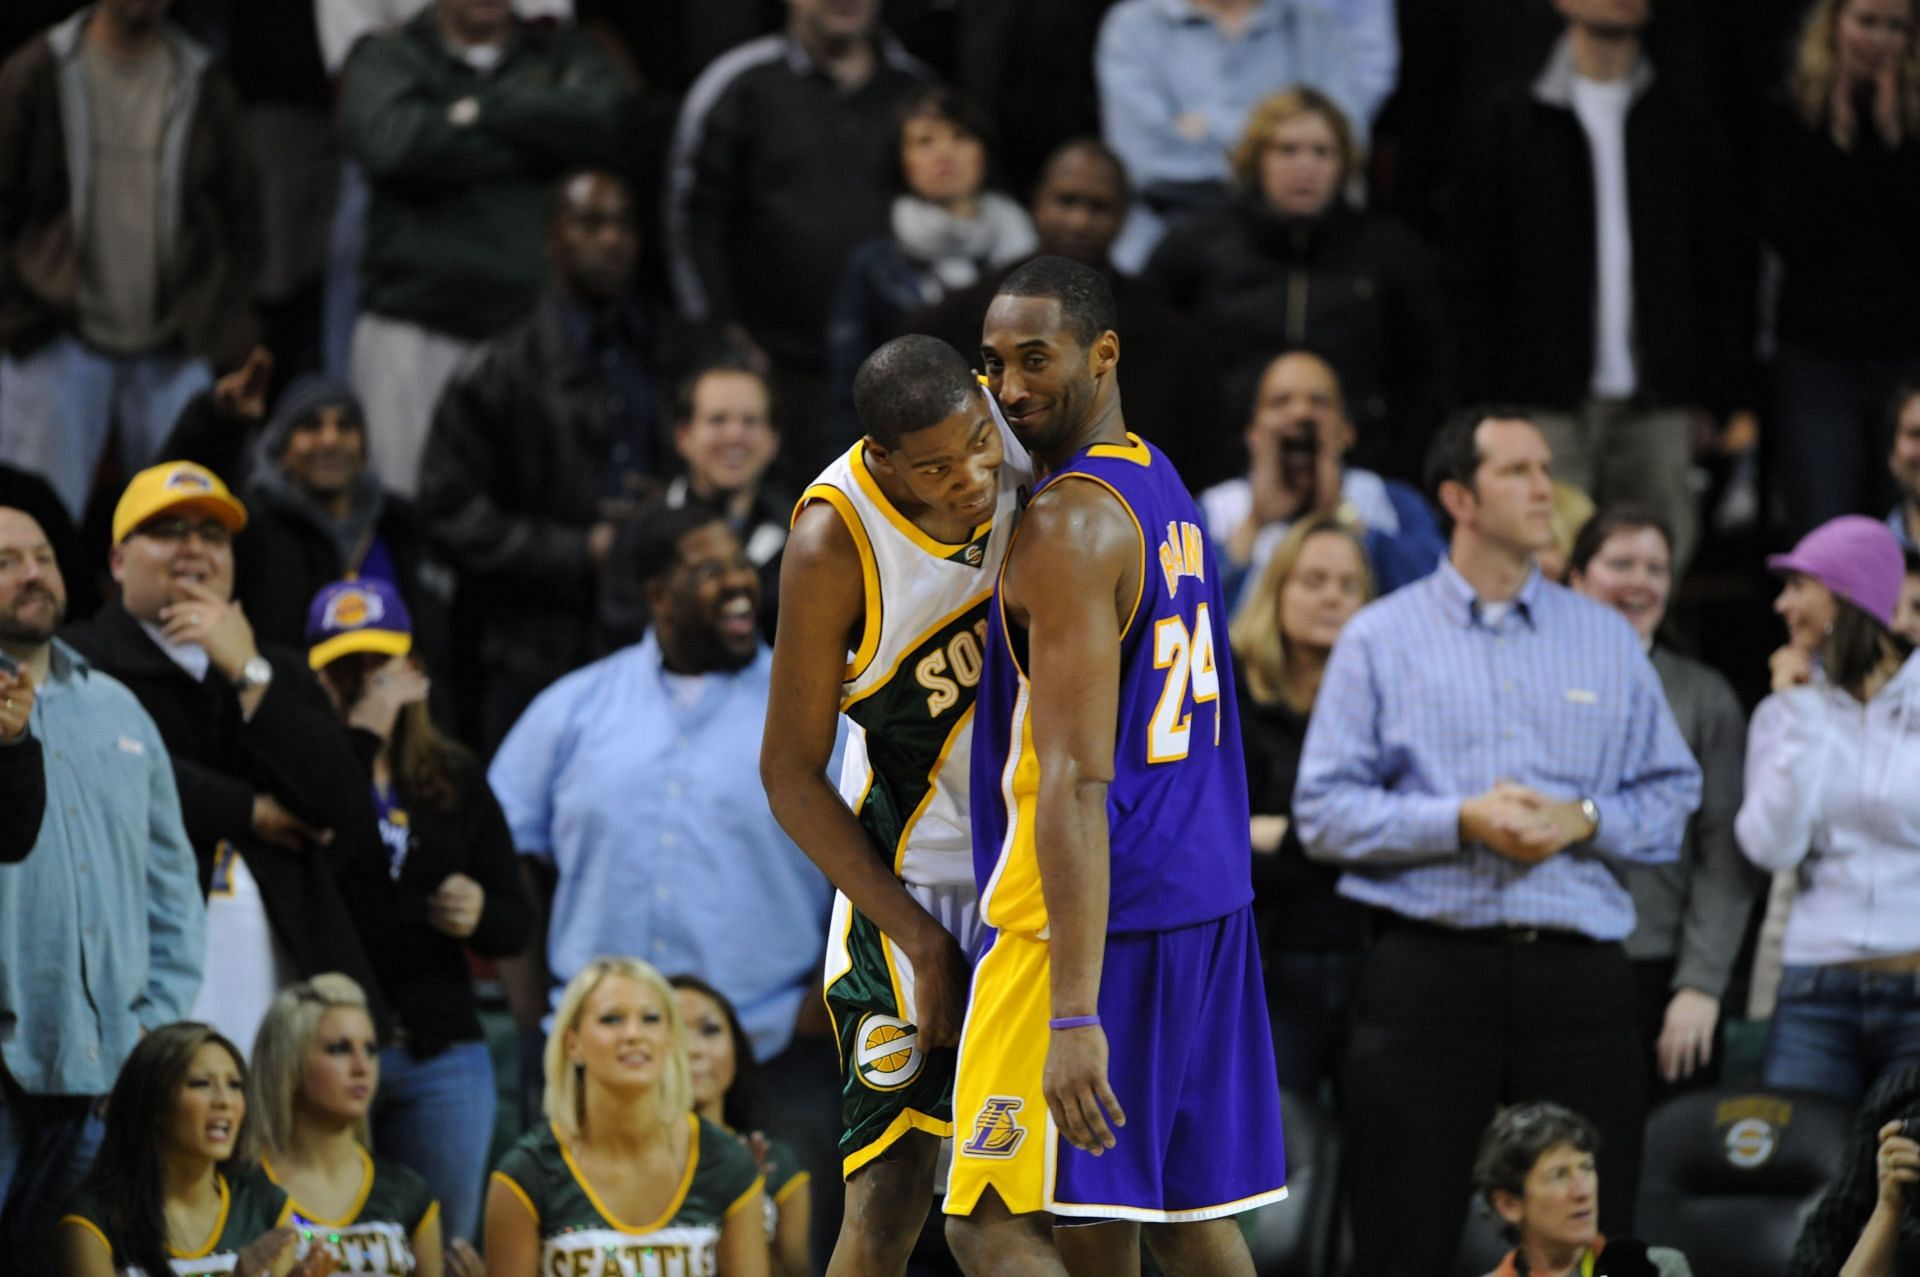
(995, 1133)
(887, 1052)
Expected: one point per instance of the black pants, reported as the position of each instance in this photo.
(1452, 1025)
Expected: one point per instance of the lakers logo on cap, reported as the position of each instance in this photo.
(995, 1132)
(188, 479)
(887, 1053)
(351, 609)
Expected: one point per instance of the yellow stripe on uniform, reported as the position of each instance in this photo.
(869, 573)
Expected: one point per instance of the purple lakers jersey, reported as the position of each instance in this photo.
(1177, 808)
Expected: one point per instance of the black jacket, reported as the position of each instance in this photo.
(1524, 248)
(293, 748)
(1354, 288)
(23, 798)
(424, 971)
(509, 488)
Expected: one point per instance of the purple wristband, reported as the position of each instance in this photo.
(1075, 1022)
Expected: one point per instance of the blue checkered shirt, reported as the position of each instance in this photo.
(1428, 701)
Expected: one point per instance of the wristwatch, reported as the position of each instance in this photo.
(255, 673)
(1591, 810)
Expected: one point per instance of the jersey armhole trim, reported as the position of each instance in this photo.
(83, 1222)
(759, 1185)
(1140, 534)
(432, 1213)
(874, 615)
(800, 1180)
(506, 1181)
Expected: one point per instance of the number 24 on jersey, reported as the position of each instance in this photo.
(1187, 657)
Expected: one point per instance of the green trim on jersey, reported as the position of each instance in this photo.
(376, 1236)
(579, 1235)
(911, 721)
(251, 1205)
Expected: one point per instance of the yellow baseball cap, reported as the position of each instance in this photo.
(176, 485)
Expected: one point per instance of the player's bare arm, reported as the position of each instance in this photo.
(1071, 577)
(821, 614)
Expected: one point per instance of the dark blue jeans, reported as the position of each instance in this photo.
(1838, 1031)
(47, 1145)
(1828, 435)
(436, 1116)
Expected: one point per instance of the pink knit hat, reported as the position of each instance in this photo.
(1855, 557)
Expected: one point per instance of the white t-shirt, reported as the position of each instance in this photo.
(1602, 107)
(246, 963)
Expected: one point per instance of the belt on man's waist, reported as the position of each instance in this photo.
(1387, 919)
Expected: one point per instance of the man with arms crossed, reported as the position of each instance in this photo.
(1106, 693)
(885, 584)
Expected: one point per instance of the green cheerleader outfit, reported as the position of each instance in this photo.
(250, 1204)
(580, 1237)
(376, 1235)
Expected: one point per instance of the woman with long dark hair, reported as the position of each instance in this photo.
(167, 1193)
(721, 1066)
(452, 885)
(1832, 758)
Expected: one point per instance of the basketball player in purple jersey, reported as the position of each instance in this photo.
(1115, 1063)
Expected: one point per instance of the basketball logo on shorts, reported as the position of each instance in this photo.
(887, 1052)
(995, 1133)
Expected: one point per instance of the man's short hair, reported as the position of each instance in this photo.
(1455, 451)
(1517, 1139)
(689, 386)
(1095, 149)
(557, 193)
(909, 384)
(1086, 298)
(653, 539)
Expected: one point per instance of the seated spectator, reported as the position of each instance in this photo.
(620, 1135)
(1178, 79)
(632, 792)
(273, 797)
(543, 444)
(131, 221)
(1866, 1225)
(316, 512)
(781, 167)
(1829, 791)
(461, 118)
(1903, 461)
(168, 1194)
(721, 1069)
(948, 229)
(1489, 754)
(451, 886)
(1310, 938)
(1287, 263)
(725, 434)
(1078, 207)
(1839, 189)
(1690, 916)
(102, 929)
(1906, 617)
(316, 1071)
(1538, 1174)
(1298, 437)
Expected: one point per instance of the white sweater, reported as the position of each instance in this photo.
(1833, 790)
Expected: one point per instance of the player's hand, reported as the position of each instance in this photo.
(16, 704)
(273, 823)
(1686, 1038)
(1075, 1084)
(216, 624)
(463, 1260)
(940, 979)
(454, 909)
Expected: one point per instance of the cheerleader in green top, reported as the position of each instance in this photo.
(166, 1194)
(720, 1061)
(316, 1068)
(624, 1180)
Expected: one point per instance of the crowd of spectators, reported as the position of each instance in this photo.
(401, 406)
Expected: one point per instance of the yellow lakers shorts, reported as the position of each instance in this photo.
(1003, 1136)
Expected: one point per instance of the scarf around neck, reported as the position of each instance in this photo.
(958, 249)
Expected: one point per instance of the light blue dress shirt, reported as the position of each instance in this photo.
(652, 812)
(1427, 701)
(102, 927)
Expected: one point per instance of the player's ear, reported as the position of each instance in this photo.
(1105, 352)
(1457, 500)
(877, 454)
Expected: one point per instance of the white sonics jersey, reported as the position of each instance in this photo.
(909, 686)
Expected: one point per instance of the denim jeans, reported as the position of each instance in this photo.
(1829, 434)
(436, 1117)
(58, 403)
(1838, 1031)
(47, 1145)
